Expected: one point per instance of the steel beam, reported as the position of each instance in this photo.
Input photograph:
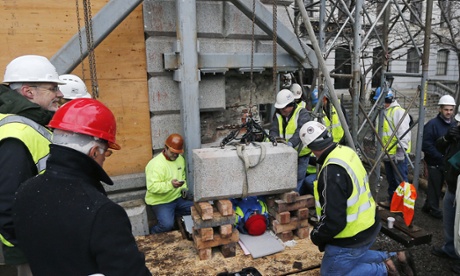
(285, 36)
(104, 22)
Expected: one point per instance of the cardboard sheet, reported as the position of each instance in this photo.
(263, 245)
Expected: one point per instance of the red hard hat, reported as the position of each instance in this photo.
(175, 143)
(256, 225)
(89, 117)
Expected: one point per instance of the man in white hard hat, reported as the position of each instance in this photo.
(297, 91)
(287, 121)
(29, 96)
(432, 130)
(74, 88)
(348, 223)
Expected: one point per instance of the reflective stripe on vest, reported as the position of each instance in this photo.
(360, 204)
(36, 137)
(388, 131)
(291, 128)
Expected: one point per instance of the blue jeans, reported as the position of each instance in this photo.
(393, 178)
(307, 186)
(302, 164)
(354, 261)
(448, 223)
(166, 213)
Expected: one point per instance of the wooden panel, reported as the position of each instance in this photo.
(43, 27)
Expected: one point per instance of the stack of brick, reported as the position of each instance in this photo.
(289, 215)
(213, 227)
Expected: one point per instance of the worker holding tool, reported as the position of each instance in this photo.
(348, 223)
(287, 121)
(74, 88)
(398, 147)
(29, 96)
(166, 185)
(65, 223)
(432, 130)
(449, 146)
(251, 215)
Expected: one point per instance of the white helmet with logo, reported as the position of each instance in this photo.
(446, 100)
(296, 90)
(74, 87)
(31, 68)
(315, 135)
(284, 98)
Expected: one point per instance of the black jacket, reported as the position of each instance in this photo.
(66, 225)
(16, 163)
(449, 148)
(432, 130)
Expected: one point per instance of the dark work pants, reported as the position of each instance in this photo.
(433, 191)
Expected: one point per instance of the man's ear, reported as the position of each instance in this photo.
(27, 92)
(93, 152)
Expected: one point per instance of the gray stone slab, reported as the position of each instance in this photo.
(238, 25)
(209, 45)
(212, 92)
(137, 213)
(220, 173)
(164, 125)
(155, 47)
(126, 182)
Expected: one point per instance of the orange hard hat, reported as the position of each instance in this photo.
(175, 143)
(89, 117)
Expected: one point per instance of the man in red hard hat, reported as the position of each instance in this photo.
(65, 223)
(166, 185)
(251, 215)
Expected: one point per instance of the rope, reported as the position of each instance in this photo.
(80, 39)
(275, 38)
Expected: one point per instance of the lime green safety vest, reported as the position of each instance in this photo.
(360, 204)
(291, 128)
(334, 126)
(36, 138)
(388, 131)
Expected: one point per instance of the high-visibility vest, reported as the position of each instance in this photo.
(388, 131)
(333, 125)
(34, 136)
(360, 204)
(290, 129)
(403, 201)
(246, 207)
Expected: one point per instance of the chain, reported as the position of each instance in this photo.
(298, 36)
(80, 40)
(275, 5)
(90, 42)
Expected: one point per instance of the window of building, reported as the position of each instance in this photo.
(441, 63)
(413, 61)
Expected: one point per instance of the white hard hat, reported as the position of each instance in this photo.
(446, 100)
(74, 87)
(296, 90)
(31, 68)
(457, 116)
(315, 135)
(284, 98)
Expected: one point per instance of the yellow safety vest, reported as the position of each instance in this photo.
(35, 136)
(360, 204)
(334, 126)
(291, 128)
(388, 131)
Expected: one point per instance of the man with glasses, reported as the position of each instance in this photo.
(65, 223)
(166, 185)
(287, 121)
(28, 98)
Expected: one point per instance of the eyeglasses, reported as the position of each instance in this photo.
(53, 89)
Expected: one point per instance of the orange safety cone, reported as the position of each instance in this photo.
(403, 201)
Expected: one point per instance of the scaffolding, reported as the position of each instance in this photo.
(353, 21)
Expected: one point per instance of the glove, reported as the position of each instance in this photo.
(400, 156)
(280, 140)
(453, 133)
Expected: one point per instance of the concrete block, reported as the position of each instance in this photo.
(137, 213)
(164, 125)
(220, 173)
(164, 94)
(155, 47)
(238, 25)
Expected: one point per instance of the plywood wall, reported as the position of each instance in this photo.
(42, 27)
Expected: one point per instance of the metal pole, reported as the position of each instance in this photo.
(356, 69)
(188, 77)
(425, 63)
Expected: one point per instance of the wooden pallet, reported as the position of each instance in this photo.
(213, 228)
(406, 235)
(289, 214)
